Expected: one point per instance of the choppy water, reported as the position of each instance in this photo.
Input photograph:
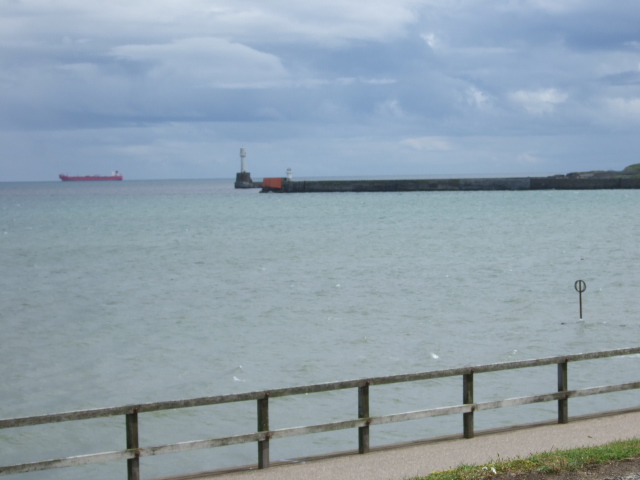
(119, 293)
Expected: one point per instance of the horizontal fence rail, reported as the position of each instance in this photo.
(264, 434)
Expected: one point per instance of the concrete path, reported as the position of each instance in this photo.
(422, 459)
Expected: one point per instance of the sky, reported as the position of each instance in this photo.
(172, 89)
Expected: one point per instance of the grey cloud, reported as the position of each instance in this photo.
(469, 75)
(628, 78)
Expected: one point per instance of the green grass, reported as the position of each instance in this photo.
(632, 169)
(549, 462)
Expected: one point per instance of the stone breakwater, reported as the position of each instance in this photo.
(283, 185)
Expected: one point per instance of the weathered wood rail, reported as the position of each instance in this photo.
(363, 422)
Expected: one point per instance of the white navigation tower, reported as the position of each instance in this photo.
(243, 154)
(243, 178)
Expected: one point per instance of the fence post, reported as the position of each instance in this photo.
(133, 464)
(563, 386)
(263, 426)
(363, 412)
(467, 399)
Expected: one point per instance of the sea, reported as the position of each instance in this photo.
(118, 293)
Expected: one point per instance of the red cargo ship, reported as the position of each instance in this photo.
(89, 178)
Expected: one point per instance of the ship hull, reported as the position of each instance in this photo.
(90, 178)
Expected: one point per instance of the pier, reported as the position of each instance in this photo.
(560, 182)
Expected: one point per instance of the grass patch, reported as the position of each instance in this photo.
(632, 169)
(548, 462)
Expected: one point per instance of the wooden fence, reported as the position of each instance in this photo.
(264, 434)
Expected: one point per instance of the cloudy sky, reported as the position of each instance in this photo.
(174, 88)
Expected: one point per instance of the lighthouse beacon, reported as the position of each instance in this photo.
(243, 178)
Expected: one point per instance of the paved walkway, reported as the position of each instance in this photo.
(422, 459)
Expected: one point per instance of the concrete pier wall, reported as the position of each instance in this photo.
(243, 180)
(455, 184)
(567, 183)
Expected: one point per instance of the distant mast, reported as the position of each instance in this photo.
(243, 178)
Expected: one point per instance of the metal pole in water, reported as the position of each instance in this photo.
(580, 287)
